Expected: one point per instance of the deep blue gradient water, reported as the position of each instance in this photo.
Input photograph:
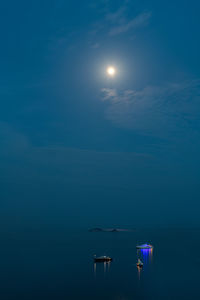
(46, 264)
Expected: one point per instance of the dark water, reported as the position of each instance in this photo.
(59, 265)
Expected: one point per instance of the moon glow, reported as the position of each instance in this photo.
(111, 71)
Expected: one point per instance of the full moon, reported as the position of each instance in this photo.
(111, 71)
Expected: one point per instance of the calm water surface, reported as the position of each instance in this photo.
(59, 265)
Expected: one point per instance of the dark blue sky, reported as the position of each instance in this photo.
(79, 148)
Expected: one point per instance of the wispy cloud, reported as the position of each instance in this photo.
(168, 108)
(109, 94)
(117, 16)
(95, 46)
(120, 21)
(139, 21)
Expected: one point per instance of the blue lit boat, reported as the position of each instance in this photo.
(144, 246)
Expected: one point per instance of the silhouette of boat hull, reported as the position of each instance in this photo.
(103, 259)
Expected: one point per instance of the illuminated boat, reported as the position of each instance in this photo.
(144, 246)
(102, 259)
(139, 263)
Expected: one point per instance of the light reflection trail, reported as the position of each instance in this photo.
(95, 269)
(146, 255)
(104, 267)
(98, 268)
(139, 272)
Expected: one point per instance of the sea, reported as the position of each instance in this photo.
(59, 264)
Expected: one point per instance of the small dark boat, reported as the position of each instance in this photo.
(102, 259)
(139, 263)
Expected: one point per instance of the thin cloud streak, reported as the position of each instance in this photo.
(139, 21)
(118, 22)
(169, 108)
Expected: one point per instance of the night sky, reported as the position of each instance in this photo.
(79, 148)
